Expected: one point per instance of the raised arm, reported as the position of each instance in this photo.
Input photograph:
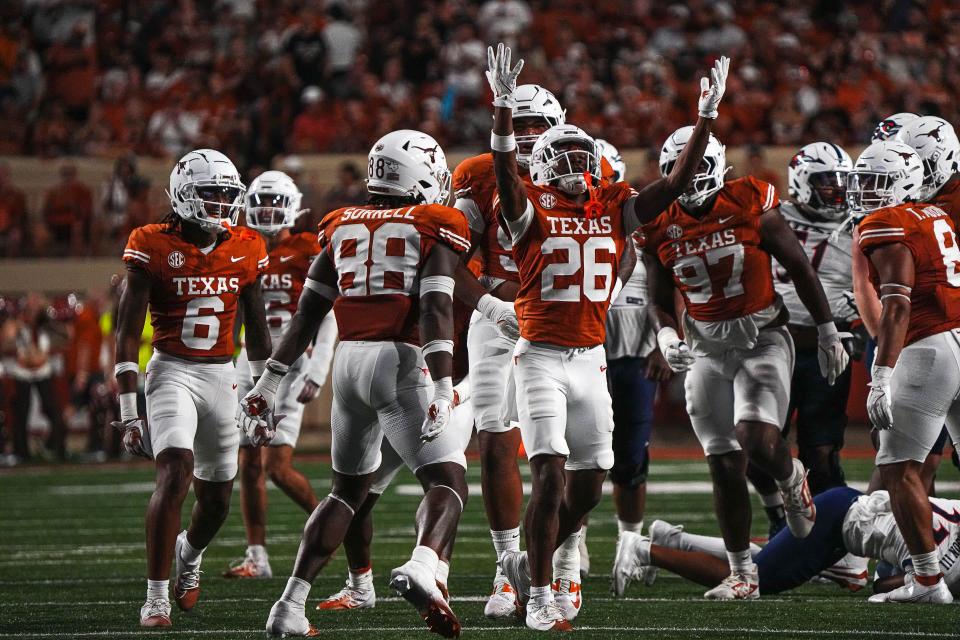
(503, 82)
(657, 196)
(778, 239)
(131, 315)
(436, 334)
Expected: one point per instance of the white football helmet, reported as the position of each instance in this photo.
(609, 152)
(817, 179)
(709, 177)
(886, 174)
(561, 156)
(936, 143)
(409, 164)
(273, 202)
(889, 126)
(205, 188)
(533, 101)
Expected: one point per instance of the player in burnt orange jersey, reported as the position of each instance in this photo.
(714, 246)
(569, 231)
(387, 270)
(914, 265)
(193, 270)
(272, 208)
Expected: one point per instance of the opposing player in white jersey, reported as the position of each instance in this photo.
(848, 523)
(194, 271)
(272, 209)
(387, 269)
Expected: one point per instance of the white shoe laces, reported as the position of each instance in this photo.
(550, 612)
(157, 607)
(189, 578)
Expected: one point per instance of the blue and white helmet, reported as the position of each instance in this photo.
(273, 202)
(886, 174)
(205, 188)
(817, 179)
(709, 177)
(550, 164)
(889, 126)
(609, 153)
(935, 141)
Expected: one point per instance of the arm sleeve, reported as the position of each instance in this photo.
(318, 366)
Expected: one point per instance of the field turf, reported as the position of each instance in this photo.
(72, 566)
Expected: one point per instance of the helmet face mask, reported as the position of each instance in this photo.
(708, 179)
(205, 189)
(534, 103)
(886, 174)
(828, 193)
(869, 191)
(273, 203)
(817, 180)
(526, 131)
(562, 156)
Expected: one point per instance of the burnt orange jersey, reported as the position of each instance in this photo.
(717, 262)
(284, 277)
(193, 297)
(568, 265)
(948, 199)
(378, 254)
(931, 236)
(473, 179)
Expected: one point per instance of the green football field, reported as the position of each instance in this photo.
(72, 566)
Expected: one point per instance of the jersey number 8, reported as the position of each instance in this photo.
(378, 262)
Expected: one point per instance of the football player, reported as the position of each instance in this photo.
(913, 256)
(848, 522)
(193, 270)
(490, 351)
(714, 246)
(568, 230)
(272, 208)
(387, 269)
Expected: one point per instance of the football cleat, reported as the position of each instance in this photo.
(417, 584)
(546, 617)
(737, 586)
(516, 567)
(186, 589)
(288, 619)
(502, 603)
(798, 505)
(155, 613)
(631, 561)
(350, 597)
(850, 573)
(913, 591)
(568, 595)
(251, 566)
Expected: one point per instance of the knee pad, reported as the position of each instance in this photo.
(629, 475)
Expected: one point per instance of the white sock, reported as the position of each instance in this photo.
(771, 499)
(296, 591)
(506, 540)
(158, 590)
(541, 595)
(926, 564)
(633, 527)
(740, 561)
(257, 552)
(443, 572)
(427, 556)
(362, 579)
(795, 478)
(566, 559)
(583, 534)
(189, 554)
(707, 544)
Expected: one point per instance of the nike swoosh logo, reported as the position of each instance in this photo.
(286, 258)
(725, 220)
(235, 259)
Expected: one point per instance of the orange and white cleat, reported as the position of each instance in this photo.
(155, 613)
(186, 589)
(737, 586)
(417, 584)
(288, 619)
(546, 617)
(568, 595)
(251, 566)
(352, 596)
(502, 603)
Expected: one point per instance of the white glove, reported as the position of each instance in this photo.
(501, 313)
(711, 92)
(255, 413)
(675, 351)
(438, 413)
(134, 436)
(878, 402)
(502, 79)
(831, 355)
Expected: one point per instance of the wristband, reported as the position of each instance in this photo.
(710, 115)
(269, 381)
(880, 375)
(827, 332)
(437, 345)
(123, 367)
(277, 367)
(321, 289)
(128, 406)
(443, 388)
(257, 367)
(436, 284)
(505, 102)
(667, 337)
(502, 144)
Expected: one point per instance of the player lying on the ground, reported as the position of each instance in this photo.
(847, 522)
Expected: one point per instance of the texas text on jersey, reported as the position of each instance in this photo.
(717, 261)
(378, 253)
(283, 279)
(931, 236)
(567, 257)
(193, 300)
